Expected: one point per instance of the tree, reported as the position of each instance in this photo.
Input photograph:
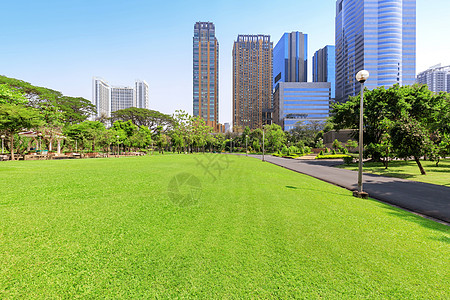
(384, 107)
(411, 139)
(11, 95)
(275, 137)
(16, 118)
(75, 109)
(144, 117)
(307, 131)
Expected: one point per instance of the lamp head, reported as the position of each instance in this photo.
(362, 76)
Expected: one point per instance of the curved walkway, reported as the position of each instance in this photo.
(423, 198)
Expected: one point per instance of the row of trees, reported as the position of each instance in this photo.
(399, 122)
(52, 115)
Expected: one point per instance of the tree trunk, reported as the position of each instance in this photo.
(422, 171)
(11, 148)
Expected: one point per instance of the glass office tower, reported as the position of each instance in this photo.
(376, 35)
(324, 66)
(290, 58)
(206, 73)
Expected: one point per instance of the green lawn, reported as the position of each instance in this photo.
(120, 228)
(409, 170)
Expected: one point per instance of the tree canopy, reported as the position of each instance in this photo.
(397, 118)
(144, 117)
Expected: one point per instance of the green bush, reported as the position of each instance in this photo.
(333, 152)
(348, 160)
(284, 150)
(321, 153)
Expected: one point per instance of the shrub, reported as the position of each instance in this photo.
(321, 153)
(348, 160)
(333, 152)
(284, 150)
(293, 150)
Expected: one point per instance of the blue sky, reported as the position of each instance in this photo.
(62, 44)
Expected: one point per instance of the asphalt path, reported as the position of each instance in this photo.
(423, 198)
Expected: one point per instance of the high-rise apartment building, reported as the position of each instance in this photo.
(437, 78)
(206, 74)
(252, 81)
(378, 36)
(324, 66)
(101, 97)
(290, 58)
(122, 97)
(108, 98)
(141, 88)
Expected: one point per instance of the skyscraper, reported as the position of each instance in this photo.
(379, 36)
(324, 64)
(290, 58)
(294, 99)
(252, 81)
(101, 97)
(141, 88)
(437, 78)
(206, 73)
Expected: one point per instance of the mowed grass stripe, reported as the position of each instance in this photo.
(109, 228)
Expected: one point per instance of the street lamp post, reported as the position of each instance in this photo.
(3, 138)
(362, 76)
(263, 144)
(118, 151)
(246, 143)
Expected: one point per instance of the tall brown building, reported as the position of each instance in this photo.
(252, 81)
(206, 74)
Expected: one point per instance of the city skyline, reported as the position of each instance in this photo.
(62, 46)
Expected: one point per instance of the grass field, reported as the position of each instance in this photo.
(409, 170)
(206, 226)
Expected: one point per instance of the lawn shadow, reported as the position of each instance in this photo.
(418, 219)
(393, 174)
(315, 190)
